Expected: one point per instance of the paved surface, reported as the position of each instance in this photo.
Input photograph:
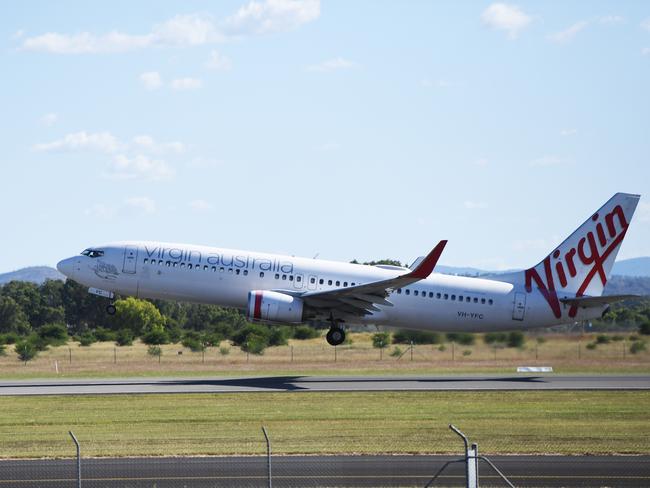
(323, 383)
(316, 471)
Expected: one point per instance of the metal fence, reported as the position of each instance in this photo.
(470, 468)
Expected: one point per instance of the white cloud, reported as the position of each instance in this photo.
(646, 24)
(186, 83)
(568, 132)
(151, 80)
(144, 205)
(218, 62)
(331, 65)
(611, 19)
(149, 143)
(468, 204)
(550, 161)
(140, 166)
(100, 211)
(184, 30)
(48, 120)
(568, 34)
(79, 141)
(200, 206)
(505, 17)
(272, 16)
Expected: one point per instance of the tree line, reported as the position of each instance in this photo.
(35, 316)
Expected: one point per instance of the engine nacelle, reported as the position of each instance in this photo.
(272, 306)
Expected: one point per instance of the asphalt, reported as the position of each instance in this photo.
(324, 383)
(330, 471)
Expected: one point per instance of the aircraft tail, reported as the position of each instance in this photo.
(581, 265)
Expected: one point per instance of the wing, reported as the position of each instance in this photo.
(361, 300)
(587, 302)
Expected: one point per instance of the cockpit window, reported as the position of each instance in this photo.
(93, 253)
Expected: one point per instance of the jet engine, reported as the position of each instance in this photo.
(273, 306)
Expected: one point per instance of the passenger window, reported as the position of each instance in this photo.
(430, 294)
(229, 270)
(475, 300)
(424, 294)
(490, 301)
(453, 297)
(415, 292)
(345, 283)
(352, 284)
(407, 291)
(329, 282)
(298, 278)
(321, 281)
(214, 269)
(438, 295)
(261, 274)
(237, 271)
(189, 265)
(205, 267)
(222, 269)
(446, 297)
(312, 280)
(245, 272)
(146, 260)
(483, 301)
(290, 277)
(182, 265)
(284, 277)
(168, 264)
(467, 299)
(175, 264)
(460, 298)
(277, 276)
(160, 262)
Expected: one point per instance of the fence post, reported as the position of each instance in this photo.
(292, 354)
(115, 355)
(76, 442)
(268, 456)
(411, 350)
(70, 355)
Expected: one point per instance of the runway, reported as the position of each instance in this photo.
(323, 384)
(315, 471)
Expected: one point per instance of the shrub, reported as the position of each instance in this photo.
(194, 345)
(516, 339)
(224, 351)
(618, 338)
(54, 334)
(304, 332)
(155, 351)
(124, 337)
(442, 348)
(417, 337)
(279, 336)
(254, 345)
(86, 339)
(104, 335)
(463, 338)
(467, 352)
(155, 337)
(380, 340)
(212, 339)
(396, 352)
(637, 346)
(540, 339)
(603, 339)
(592, 345)
(3, 350)
(644, 327)
(26, 351)
(495, 337)
(253, 338)
(9, 338)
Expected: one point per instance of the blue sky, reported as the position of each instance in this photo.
(349, 129)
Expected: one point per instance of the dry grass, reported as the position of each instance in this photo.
(566, 353)
(321, 423)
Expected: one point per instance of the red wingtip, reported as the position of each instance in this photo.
(426, 266)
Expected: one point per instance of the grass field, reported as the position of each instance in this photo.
(566, 353)
(310, 423)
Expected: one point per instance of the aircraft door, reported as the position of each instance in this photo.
(519, 309)
(130, 259)
(298, 281)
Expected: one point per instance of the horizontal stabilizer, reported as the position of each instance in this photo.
(596, 301)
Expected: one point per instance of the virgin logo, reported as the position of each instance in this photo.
(582, 262)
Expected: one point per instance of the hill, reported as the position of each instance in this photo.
(34, 274)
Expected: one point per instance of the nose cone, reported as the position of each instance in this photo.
(66, 267)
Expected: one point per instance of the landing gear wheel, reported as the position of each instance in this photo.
(335, 336)
(110, 309)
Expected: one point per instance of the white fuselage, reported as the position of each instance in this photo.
(225, 277)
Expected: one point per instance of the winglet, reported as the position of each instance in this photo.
(426, 266)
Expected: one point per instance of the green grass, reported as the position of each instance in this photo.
(308, 423)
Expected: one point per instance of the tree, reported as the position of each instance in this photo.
(381, 340)
(26, 351)
(463, 338)
(156, 336)
(416, 337)
(303, 332)
(140, 316)
(644, 328)
(155, 351)
(12, 316)
(54, 334)
(124, 337)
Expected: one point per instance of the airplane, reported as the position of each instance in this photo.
(565, 287)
